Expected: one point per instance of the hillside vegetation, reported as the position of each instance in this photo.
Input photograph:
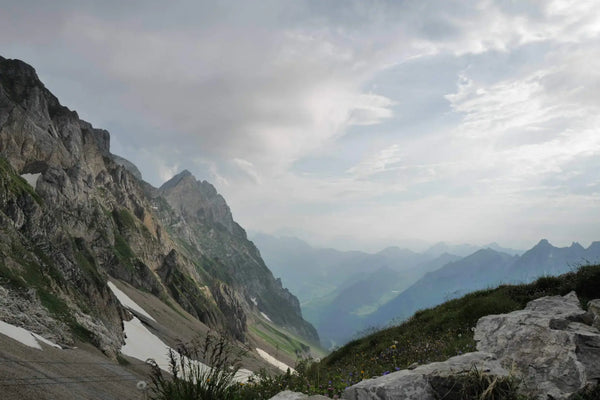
(431, 335)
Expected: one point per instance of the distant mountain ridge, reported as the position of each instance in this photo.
(373, 289)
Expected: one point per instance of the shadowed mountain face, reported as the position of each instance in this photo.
(481, 270)
(83, 215)
(477, 271)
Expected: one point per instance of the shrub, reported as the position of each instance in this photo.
(192, 380)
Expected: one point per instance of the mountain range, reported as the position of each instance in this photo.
(374, 290)
(74, 217)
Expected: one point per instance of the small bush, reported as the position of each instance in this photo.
(190, 379)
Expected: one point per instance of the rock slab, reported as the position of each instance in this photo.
(552, 344)
(416, 384)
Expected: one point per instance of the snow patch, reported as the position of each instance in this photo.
(24, 336)
(46, 341)
(31, 179)
(265, 316)
(142, 344)
(273, 361)
(127, 302)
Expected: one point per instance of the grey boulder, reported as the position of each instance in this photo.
(551, 345)
(418, 384)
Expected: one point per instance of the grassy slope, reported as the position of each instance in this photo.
(283, 341)
(439, 333)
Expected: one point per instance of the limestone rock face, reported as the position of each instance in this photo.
(200, 217)
(551, 343)
(88, 215)
(594, 308)
(419, 383)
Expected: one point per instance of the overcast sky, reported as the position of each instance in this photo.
(357, 124)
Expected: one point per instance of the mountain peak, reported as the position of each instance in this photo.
(543, 243)
(577, 246)
(184, 175)
(18, 78)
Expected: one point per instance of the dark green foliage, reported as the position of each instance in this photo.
(123, 252)
(124, 219)
(588, 286)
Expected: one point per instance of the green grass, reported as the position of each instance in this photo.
(15, 184)
(123, 252)
(124, 219)
(436, 334)
(276, 337)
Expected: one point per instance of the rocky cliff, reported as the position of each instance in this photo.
(72, 215)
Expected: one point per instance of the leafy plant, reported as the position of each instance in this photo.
(190, 379)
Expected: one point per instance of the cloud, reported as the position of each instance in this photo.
(437, 120)
(380, 162)
(271, 99)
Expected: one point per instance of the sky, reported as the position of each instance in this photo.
(356, 124)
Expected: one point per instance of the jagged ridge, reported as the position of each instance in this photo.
(89, 218)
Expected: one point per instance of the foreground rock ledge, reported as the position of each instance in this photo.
(553, 346)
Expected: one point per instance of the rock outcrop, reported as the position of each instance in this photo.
(551, 348)
(85, 215)
(421, 382)
(552, 344)
(198, 216)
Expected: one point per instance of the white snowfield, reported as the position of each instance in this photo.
(31, 179)
(127, 302)
(265, 316)
(24, 336)
(142, 344)
(273, 361)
